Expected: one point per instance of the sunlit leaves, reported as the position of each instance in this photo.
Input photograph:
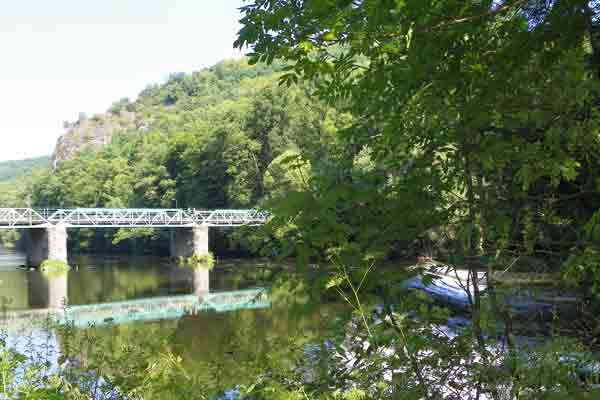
(472, 119)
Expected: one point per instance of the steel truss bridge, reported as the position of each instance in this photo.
(11, 218)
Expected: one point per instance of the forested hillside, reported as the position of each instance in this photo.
(16, 168)
(210, 139)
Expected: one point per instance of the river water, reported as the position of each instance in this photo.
(225, 324)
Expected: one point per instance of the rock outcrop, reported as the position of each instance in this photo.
(91, 134)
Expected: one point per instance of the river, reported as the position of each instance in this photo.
(225, 324)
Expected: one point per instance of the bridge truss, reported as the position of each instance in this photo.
(11, 218)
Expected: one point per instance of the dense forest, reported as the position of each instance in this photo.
(213, 139)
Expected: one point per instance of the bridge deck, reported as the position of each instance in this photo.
(11, 218)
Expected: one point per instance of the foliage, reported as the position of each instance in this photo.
(28, 386)
(10, 170)
(464, 130)
(144, 375)
(494, 147)
(198, 261)
(54, 267)
(10, 196)
(474, 137)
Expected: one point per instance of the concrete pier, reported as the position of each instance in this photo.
(200, 281)
(186, 242)
(48, 243)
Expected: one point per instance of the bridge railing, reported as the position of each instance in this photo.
(128, 217)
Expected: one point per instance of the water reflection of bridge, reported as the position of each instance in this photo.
(47, 295)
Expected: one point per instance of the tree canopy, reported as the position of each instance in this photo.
(484, 113)
(474, 141)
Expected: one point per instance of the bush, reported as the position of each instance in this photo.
(54, 267)
(198, 261)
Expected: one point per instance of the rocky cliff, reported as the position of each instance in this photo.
(91, 134)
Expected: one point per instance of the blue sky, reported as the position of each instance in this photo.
(62, 57)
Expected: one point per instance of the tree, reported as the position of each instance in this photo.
(482, 116)
(493, 103)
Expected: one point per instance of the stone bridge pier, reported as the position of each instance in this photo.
(47, 243)
(189, 241)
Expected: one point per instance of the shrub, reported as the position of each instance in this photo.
(54, 267)
(197, 261)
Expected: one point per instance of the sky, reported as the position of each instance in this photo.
(62, 57)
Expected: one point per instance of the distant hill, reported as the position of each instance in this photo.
(15, 168)
(181, 96)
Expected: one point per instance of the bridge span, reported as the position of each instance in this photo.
(11, 218)
(47, 238)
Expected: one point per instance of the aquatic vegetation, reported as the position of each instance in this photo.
(198, 261)
(54, 267)
(87, 370)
